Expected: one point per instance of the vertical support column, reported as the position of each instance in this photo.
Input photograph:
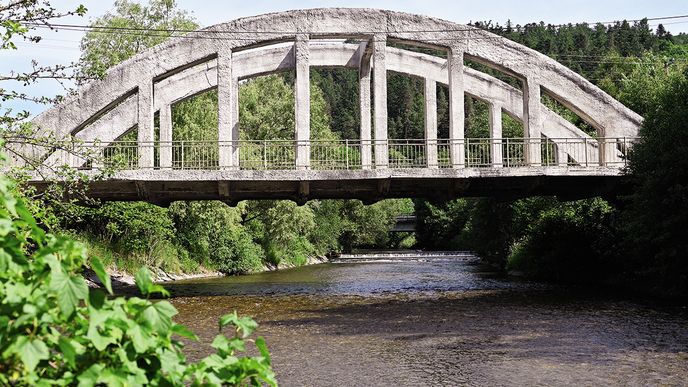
(457, 140)
(602, 148)
(431, 123)
(236, 145)
(227, 132)
(303, 102)
(380, 100)
(495, 118)
(166, 136)
(146, 126)
(364, 96)
(532, 122)
(562, 156)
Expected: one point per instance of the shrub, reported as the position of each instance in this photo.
(54, 330)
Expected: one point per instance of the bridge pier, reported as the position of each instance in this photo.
(302, 93)
(380, 98)
(457, 145)
(431, 123)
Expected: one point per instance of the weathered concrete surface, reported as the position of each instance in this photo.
(609, 116)
(162, 187)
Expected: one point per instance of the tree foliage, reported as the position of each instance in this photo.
(55, 330)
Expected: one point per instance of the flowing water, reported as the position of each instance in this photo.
(410, 319)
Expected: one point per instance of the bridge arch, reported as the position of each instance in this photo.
(221, 55)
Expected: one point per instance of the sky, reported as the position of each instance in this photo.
(63, 46)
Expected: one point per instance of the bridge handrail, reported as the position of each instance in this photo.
(338, 154)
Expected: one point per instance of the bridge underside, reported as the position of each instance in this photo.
(164, 187)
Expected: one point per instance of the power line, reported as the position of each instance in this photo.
(87, 28)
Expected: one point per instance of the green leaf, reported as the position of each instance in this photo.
(159, 315)
(263, 348)
(145, 283)
(31, 352)
(68, 350)
(103, 276)
(89, 377)
(143, 280)
(244, 324)
(181, 330)
(141, 338)
(69, 290)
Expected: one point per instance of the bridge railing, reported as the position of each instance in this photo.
(349, 154)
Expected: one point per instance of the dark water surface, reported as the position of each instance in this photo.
(405, 321)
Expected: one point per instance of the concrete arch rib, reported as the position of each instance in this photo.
(610, 117)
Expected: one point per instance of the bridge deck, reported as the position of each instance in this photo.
(165, 186)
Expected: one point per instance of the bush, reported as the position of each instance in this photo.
(54, 330)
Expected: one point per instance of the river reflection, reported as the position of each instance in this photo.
(440, 321)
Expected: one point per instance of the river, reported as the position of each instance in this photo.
(413, 319)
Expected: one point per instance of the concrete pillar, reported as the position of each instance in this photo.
(303, 102)
(495, 118)
(602, 148)
(364, 92)
(456, 108)
(562, 156)
(431, 123)
(532, 122)
(380, 100)
(236, 146)
(228, 128)
(166, 137)
(146, 125)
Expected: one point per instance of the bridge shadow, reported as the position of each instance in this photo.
(555, 325)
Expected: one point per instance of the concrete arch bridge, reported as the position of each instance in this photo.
(553, 157)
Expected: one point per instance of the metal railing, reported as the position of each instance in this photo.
(347, 154)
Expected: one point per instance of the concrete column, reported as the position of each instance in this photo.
(431, 122)
(380, 100)
(456, 108)
(562, 156)
(166, 136)
(364, 92)
(602, 148)
(495, 118)
(228, 129)
(146, 125)
(236, 146)
(303, 102)
(532, 122)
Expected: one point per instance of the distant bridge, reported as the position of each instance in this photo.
(553, 157)
(405, 223)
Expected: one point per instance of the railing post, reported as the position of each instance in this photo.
(585, 149)
(265, 155)
(602, 144)
(346, 142)
(182, 161)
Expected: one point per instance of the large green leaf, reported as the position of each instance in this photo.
(31, 352)
(159, 315)
(70, 289)
(103, 276)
